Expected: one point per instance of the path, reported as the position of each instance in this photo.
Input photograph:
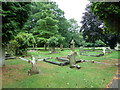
(115, 82)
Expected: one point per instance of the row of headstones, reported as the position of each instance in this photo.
(73, 54)
(104, 50)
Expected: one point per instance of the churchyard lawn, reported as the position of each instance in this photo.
(90, 75)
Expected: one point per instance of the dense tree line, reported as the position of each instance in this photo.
(94, 29)
(37, 24)
(43, 24)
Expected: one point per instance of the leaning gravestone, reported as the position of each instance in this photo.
(81, 50)
(72, 59)
(72, 45)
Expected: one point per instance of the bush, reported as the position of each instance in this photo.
(21, 42)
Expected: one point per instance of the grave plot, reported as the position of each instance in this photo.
(71, 60)
(34, 69)
(95, 53)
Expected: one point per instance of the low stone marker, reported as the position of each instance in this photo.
(81, 50)
(108, 50)
(93, 48)
(61, 47)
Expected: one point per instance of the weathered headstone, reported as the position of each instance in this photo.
(93, 48)
(81, 50)
(61, 47)
(118, 46)
(34, 69)
(107, 50)
(104, 50)
(72, 58)
(72, 46)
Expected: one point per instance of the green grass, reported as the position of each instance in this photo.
(91, 75)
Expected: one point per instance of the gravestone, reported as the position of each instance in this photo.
(81, 50)
(104, 50)
(107, 50)
(34, 69)
(118, 46)
(61, 47)
(72, 59)
(93, 48)
(72, 45)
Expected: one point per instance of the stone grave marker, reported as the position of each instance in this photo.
(93, 48)
(104, 50)
(72, 45)
(118, 46)
(81, 50)
(72, 58)
(107, 50)
(61, 47)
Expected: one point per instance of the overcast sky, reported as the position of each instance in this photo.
(72, 8)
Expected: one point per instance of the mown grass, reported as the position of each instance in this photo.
(91, 75)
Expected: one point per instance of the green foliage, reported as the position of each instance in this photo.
(22, 41)
(41, 41)
(53, 41)
(109, 13)
(14, 15)
(42, 22)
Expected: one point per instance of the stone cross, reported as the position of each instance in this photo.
(72, 58)
(72, 45)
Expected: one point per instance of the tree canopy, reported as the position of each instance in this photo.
(14, 16)
(109, 13)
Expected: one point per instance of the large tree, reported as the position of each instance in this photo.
(47, 20)
(94, 29)
(14, 15)
(109, 13)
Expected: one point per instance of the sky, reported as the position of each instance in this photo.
(73, 8)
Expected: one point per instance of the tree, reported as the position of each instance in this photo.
(42, 23)
(74, 27)
(94, 30)
(109, 13)
(90, 26)
(47, 20)
(14, 15)
(74, 32)
(21, 42)
(52, 42)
